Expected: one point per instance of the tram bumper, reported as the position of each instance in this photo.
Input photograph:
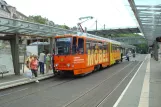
(63, 72)
(59, 72)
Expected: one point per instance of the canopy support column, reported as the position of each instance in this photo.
(155, 50)
(15, 54)
(52, 46)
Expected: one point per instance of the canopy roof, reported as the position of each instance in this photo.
(12, 26)
(148, 15)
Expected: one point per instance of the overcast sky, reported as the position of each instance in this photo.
(112, 13)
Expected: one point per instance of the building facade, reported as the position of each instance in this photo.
(9, 11)
(4, 12)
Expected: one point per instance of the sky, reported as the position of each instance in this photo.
(112, 13)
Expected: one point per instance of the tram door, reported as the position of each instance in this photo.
(80, 52)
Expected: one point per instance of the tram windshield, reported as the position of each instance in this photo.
(63, 46)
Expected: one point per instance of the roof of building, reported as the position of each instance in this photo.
(4, 3)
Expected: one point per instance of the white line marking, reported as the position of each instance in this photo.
(117, 85)
(144, 98)
(121, 96)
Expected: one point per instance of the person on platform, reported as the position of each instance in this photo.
(42, 58)
(127, 56)
(151, 54)
(28, 60)
(34, 66)
(48, 63)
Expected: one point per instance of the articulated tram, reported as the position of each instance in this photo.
(84, 53)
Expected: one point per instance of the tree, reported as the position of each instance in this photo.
(41, 20)
(142, 48)
(65, 27)
(37, 19)
(51, 23)
(126, 35)
(74, 28)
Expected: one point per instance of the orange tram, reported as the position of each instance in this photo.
(80, 55)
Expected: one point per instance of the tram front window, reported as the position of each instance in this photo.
(63, 46)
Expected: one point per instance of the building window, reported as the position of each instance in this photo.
(2, 6)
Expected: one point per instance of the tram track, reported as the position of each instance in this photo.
(91, 89)
(58, 83)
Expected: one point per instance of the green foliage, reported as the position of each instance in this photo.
(122, 35)
(142, 48)
(37, 19)
(65, 27)
(41, 20)
(126, 35)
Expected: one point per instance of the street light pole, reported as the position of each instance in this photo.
(96, 28)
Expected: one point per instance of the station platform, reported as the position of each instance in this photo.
(11, 80)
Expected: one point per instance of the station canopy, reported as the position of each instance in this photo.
(13, 26)
(148, 15)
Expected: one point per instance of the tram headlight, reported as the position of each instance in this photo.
(56, 65)
(68, 65)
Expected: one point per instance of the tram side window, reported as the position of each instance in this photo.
(81, 45)
(93, 44)
(113, 48)
(87, 47)
(100, 44)
(74, 45)
(118, 48)
(105, 47)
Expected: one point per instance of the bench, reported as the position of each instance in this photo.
(3, 70)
